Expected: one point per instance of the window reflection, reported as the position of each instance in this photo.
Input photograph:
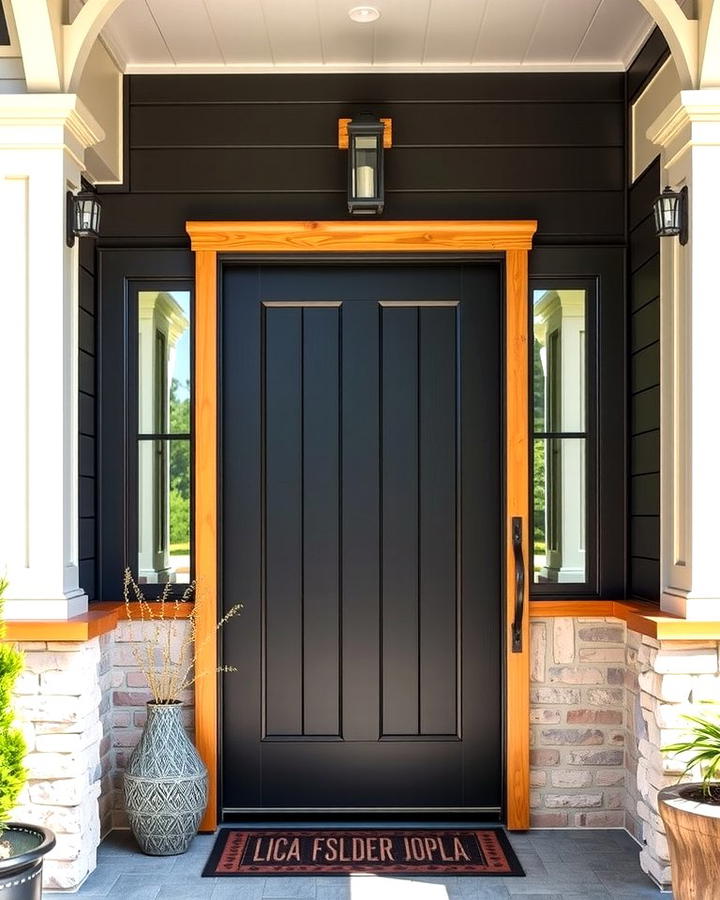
(164, 437)
(560, 511)
(560, 423)
(164, 362)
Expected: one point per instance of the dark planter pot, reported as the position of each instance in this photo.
(693, 832)
(21, 873)
(166, 784)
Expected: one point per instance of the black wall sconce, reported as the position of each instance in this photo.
(83, 216)
(365, 138)
(671, 214)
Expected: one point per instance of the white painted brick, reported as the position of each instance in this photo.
(71, 683)
(571, 778)
(40, 708)
(68, 743)
(602, 654)
(573, 801)
(56, 765)
(575, 675)
(545, 717)
(78, 727)
(27, 683)
(563, 640)
(538, 650)
(65, 875)
(60, 791)
(48, 661)
(61, 819)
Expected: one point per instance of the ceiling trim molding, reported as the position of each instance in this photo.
(230, 69)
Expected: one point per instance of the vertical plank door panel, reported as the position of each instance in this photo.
(283, 522)
(400, 521)
(438, 520)
(321, 520)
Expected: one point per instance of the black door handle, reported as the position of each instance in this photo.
(519, 584)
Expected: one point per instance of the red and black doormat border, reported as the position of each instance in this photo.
(357, 851)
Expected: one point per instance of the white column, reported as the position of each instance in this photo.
(43, 138)
(688, 132)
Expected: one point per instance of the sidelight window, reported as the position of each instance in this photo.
(163, 436)
(562, 438)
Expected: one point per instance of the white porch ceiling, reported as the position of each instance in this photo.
(153, 36)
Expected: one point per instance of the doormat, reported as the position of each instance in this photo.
(485, 851)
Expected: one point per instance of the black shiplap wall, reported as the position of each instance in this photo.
(549, 147)
(4, 33)
(644, 356)
(644, 386)
(546, 146)
(86, 416)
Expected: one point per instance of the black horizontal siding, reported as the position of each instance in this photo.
(549, 147)
(485, 146)
(644, 388)
(4, 33)
(652, 55)
(242, 125)
(370, 89)
(86, 417)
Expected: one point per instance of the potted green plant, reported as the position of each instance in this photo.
(22, 847)
(691, 813)
(165, 781)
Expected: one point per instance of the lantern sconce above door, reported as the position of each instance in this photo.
(365, 138)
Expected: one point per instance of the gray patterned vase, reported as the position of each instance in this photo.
(165, 784)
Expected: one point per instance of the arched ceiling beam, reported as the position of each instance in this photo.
(37, 46)
(681, 34)
(710, 58)
(79, 37)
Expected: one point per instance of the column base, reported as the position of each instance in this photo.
(686, 606)
(74, 603)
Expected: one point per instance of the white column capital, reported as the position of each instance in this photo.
(691, 119)
(46, 122)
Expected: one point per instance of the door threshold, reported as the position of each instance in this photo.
(368, 816)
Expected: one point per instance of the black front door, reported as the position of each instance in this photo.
(361, 529)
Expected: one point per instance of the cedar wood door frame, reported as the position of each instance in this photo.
(514, 239)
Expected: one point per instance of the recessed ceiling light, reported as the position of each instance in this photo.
(364, 14)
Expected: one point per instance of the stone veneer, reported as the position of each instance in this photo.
(81, 707)
(62, 705)
(604, 699)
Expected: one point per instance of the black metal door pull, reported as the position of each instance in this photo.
(519, 584)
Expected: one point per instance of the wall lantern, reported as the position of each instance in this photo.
(365, 137)
(671, 214)
(83, 216)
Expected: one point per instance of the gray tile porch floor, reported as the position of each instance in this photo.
(560, 865)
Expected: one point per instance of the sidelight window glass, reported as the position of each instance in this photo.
(164, 435)
(560, 447)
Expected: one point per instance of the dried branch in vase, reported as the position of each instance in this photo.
(168, 653)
